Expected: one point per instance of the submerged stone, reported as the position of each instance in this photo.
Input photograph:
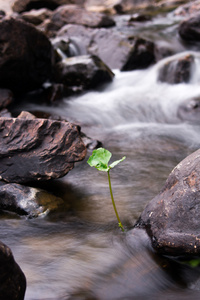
(28, 201)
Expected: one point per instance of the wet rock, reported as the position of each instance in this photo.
(73, 14)
(189, 30)
(172, 217)
(90, 143)
(28, 201)
(190, 111)
(12, 279)
(6, 98)
(36, 16)
(141, 56)
(82, 72)
(111, 46)
(177, 70)
(38, 149)
(26, 5)
(26, 56)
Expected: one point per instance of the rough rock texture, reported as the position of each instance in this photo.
(26, 56)
(12, 279)
(26, 5)
(82, 72)
(172, 217)
(141, 56)
(38, 149)
(73, 14)
(189, 30)
(177, 70)
(28, 201)
(6, 98)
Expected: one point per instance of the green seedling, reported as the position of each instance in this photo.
(99, 159)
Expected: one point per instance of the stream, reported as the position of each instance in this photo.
(134, 116)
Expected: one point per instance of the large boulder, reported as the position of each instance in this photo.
(189, 30)
(38, 149)
(82, 72)
(74, 14)
(172, 218)
(12, 279)
(28, 201)
(26, 56)
(177, 70)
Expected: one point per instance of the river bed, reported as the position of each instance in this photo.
(134, 116)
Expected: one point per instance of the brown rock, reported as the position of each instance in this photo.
(38, 149)
(26, 56)
(12, 279)
(172, 217)
(73, 14)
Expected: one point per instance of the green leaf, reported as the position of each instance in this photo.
(117, 162)
(99, 159)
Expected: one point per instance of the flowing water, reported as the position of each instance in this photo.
(76, 249)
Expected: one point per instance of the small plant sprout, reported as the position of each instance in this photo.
(99, 159)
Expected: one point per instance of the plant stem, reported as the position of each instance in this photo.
(113, 202)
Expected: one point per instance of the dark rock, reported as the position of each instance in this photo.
(177, 70)
(36, 16)
(28, 201)
(189, 30)
(190, 111)
(26, 5)
(172, 217)
(12, 279)
(82, 72)
(141, 56)
(26, 56)
(90, 143)
(6, 98)
(73, 14)
(38, 149)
